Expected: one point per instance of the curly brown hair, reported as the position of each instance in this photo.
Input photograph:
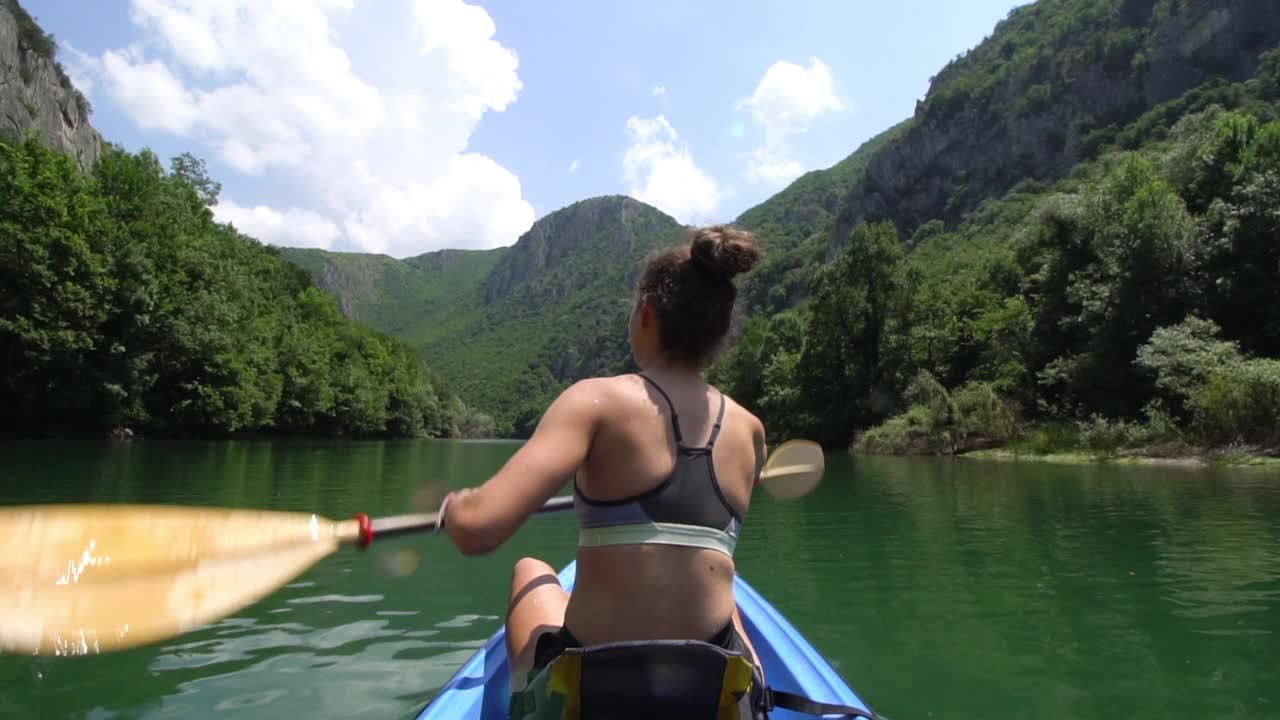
(691, 290)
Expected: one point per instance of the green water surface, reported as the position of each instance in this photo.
(938, 588)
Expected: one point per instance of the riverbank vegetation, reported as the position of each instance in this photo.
(1132, 307)
(127, 306)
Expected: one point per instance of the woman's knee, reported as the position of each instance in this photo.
(529, 568)
(528, 575)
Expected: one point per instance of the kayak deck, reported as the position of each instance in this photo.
(480, 688)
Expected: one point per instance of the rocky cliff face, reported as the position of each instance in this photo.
(577, 246)
(36, 94)
(1027, 103)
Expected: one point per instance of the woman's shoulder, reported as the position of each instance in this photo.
(605, 384)
(601, 391)
(739, 414)
(626, 388)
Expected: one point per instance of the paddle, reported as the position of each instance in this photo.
(81, 579)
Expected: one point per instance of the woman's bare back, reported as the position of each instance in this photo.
(647, 592)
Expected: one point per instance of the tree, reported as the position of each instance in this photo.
(192, 170)
(1114, 266)
(55, 285)
(1242, 229)
(839, 370)
(123, 303)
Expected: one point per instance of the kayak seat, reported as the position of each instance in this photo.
(677, 679)
(672, 679)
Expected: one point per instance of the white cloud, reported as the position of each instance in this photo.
(480, 68)
(377, 162)
(473, 202)
(664, 175)
(573, 166)
(658, 90)
(156, 98)
(787, 99)
(293, 227)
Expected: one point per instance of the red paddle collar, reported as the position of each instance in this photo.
(366, 531)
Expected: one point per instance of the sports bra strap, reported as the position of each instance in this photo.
(715, 429)
(675, 421)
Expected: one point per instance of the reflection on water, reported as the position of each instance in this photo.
(938, 588)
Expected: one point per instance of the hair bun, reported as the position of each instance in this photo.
(723, 251)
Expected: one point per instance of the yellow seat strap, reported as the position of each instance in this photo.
(565, 680)
(737, 682)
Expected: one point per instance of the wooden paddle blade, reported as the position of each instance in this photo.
(92, 578)
(793, 469)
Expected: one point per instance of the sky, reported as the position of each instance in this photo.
(406, 126)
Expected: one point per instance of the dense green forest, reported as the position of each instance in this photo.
(125, 305)
(1073, 242)
(510, 328)
(1133, 303)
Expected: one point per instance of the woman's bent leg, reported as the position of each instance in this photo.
(537, 606)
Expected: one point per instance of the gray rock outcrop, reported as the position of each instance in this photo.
(36, 94)
(967, 146)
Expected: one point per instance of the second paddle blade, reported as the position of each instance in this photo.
(794, 469)
(79, 579)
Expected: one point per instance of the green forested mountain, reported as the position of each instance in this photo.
(393, 295)
(1054, 82)
(509, 328)
(1132, 302)
(1076, 231)
(794, 227)
(125, 305)
(512, 326)
(982, 262)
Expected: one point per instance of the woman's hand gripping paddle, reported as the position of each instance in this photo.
(82, 579)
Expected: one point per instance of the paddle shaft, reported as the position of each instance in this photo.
(397, 525)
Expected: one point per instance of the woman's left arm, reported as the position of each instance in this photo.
(480, 519)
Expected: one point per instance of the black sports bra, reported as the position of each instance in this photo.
(687, 508)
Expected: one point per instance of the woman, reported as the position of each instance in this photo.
(663, 466)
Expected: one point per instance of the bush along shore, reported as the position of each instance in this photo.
(1214, 404)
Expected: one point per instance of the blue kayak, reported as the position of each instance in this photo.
(480, 689)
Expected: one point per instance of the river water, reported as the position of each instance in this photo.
(939, 588)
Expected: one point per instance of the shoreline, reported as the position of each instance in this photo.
(1195, 460)
(133, 436)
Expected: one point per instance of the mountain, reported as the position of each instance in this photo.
(395, 295)
(1119, 294)
(1056, 79)
(794, 225)
(477, 315)
(508, 328)
(37, 93)
(938, 209)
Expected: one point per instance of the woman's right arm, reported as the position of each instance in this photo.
(479, 520)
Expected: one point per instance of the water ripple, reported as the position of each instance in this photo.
(337, 598)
